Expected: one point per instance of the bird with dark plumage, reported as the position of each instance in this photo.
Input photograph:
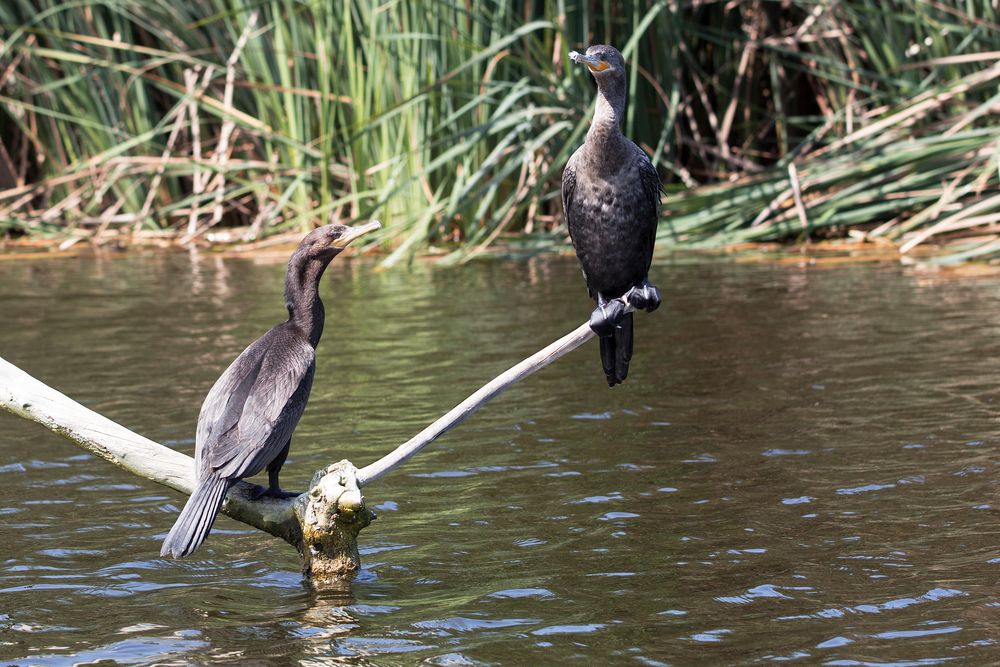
(611, 199)
(248, 417)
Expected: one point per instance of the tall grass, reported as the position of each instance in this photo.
(451, 122)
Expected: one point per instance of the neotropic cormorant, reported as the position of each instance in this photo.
(611, 199)
(248, 417)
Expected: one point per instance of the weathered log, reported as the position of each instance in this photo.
(338, 517)
(457, 414)
(323, 523)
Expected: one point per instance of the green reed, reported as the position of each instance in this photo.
(451, 122)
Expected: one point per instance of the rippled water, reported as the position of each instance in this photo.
(801, 466)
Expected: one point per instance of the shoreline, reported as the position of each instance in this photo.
(229, 243)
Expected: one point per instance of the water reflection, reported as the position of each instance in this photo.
(800, 467)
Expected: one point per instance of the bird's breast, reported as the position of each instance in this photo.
(609, 227)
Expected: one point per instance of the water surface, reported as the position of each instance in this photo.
(801, 466)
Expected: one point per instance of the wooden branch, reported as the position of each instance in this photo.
(457, 415)
(323, 523)
(31, 399)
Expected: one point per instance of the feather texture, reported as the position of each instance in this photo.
(611, 200)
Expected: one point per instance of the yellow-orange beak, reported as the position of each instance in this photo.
(593, 63)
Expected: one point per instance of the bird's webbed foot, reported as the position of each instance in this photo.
(271, 492)
(606, 316)
(273, 489)
(645, 296)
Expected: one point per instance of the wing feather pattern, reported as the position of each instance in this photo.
(651, 188)
(268, 384)
(568, 185)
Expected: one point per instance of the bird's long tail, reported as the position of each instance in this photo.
(616, 351)
(197, 517)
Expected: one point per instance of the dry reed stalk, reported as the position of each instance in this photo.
(520, 193)
(17, 203)
(106, 217)
(772, 206)
(71, 200)
(922, 104)
(953, 60)
(533, 167)
(178, 113)
(741, 70)
(809, 21)
(678, 168)
(950, 223)
(713, 121)
(793, 177)
(197, 181)
(934, 210)
(228, 126)
(15, 61)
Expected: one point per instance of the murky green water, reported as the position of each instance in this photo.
(801, 466)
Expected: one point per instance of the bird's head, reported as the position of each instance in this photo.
(603, 61)
(328, 241)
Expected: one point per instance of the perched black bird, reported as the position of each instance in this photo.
(611, 199)
(247, 419)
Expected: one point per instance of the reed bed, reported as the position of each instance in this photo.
(451, 122)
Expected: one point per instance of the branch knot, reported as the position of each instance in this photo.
(332, 513)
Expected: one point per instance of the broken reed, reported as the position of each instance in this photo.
(452, 122)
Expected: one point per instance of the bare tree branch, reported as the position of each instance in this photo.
(323, 523)
(457, 414)
(32, 399)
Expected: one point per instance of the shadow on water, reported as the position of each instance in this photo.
(801, 466)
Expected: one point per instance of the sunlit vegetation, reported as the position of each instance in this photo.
(451, 122)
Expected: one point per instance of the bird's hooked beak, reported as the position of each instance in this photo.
(355, 232)
(593, 63)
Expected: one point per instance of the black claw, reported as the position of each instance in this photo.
(645, 297)
(606, 317)
(654, 299)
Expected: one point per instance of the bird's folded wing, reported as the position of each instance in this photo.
(651, 188)
(223, 406)
(268, 408)
(568, 186)
(651, 185)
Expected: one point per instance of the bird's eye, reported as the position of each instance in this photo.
(604, 56)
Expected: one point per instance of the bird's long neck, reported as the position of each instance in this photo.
(305, 308)
(605, 134)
